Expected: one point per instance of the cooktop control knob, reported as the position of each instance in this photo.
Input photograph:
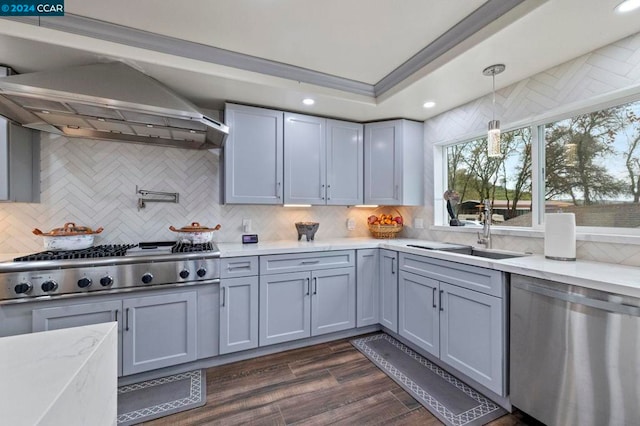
(48, 286)
(201, 272)
(184, 274)
(147, 278)
(23, 288)
(84, 282)
(106, 281)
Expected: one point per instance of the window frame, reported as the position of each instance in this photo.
(536, 125)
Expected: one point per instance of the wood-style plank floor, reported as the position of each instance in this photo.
(330, 383)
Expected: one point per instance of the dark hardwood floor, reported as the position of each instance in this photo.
(330, 383)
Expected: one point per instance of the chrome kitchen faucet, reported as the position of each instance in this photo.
(485, 238)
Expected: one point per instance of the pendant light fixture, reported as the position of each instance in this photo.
(493, 135)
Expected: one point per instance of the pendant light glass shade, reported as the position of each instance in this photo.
(493, 139)
(493, 135)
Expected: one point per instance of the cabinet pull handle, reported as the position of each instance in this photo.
(395, 193)
(233, 268)
(224, 294)
(315, 285)
(328, 192)
(278, 189)
(307, 286)
(322, 191)
(309, 262)
(393, 265)
(126, 314)
(433, 297)
(440, 300)
(116, 316)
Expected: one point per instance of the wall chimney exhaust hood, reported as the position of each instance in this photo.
(108, 101)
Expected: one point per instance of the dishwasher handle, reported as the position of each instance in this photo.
(604, 305)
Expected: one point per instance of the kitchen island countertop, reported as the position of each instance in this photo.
(66, 376)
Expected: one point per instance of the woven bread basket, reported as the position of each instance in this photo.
(383, 229)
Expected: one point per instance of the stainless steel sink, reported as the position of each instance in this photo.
(486, 253)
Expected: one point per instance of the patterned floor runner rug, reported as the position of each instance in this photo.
(450, 400)
(161, 397)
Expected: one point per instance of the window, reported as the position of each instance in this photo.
(592, 167)
(505, 180)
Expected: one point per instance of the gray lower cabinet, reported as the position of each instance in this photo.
(419, 319)
(368, 287)
(159, 331)
(471, 334)
(156, 331)
(389, 289)
(238, 314)
(296, 305)
(60, 317)
(463, 324)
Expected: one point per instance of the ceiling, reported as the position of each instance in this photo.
(359, 59)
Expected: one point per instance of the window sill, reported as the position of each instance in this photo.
(538, 233)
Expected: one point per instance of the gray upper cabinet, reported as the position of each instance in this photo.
(368, 288)
(304, 159)
(253, 156)
(19, 163)
(389, 289)
(158, 331)
(394, 163)
(323, 161)
(345, 163)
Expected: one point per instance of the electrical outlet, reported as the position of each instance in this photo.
(351, 224)
(418, 223)
(246, 225)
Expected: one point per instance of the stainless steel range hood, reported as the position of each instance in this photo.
(108, 101)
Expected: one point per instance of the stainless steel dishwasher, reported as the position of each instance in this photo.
(575, 354)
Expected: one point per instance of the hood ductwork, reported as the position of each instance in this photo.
(110, 102)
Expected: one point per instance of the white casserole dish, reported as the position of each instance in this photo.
(69, 237)
(195, 233)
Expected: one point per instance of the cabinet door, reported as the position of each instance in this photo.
(304, 159)
(418, 315)
(389, 289)
(333, 300)
(471, 335)
(285, 307)
(345, 159)
(253, 155)
(238, 314)
(367, 286)
(46, 319)
(383, 163)
(159, 331)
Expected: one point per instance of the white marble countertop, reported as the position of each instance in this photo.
(50, 377)
(609, 277)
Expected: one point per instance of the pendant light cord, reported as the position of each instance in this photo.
(493, 113)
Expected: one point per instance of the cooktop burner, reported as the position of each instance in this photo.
(110, 250)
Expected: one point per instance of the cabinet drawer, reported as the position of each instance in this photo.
(280, 263)
(475, 278)
(238, 267)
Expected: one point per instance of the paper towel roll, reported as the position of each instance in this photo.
(560, 236)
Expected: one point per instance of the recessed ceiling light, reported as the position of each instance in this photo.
(429, 104)
(44, 111)
(308, 101)
(627, 6)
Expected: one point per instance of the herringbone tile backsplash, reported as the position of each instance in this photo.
(93, 183)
